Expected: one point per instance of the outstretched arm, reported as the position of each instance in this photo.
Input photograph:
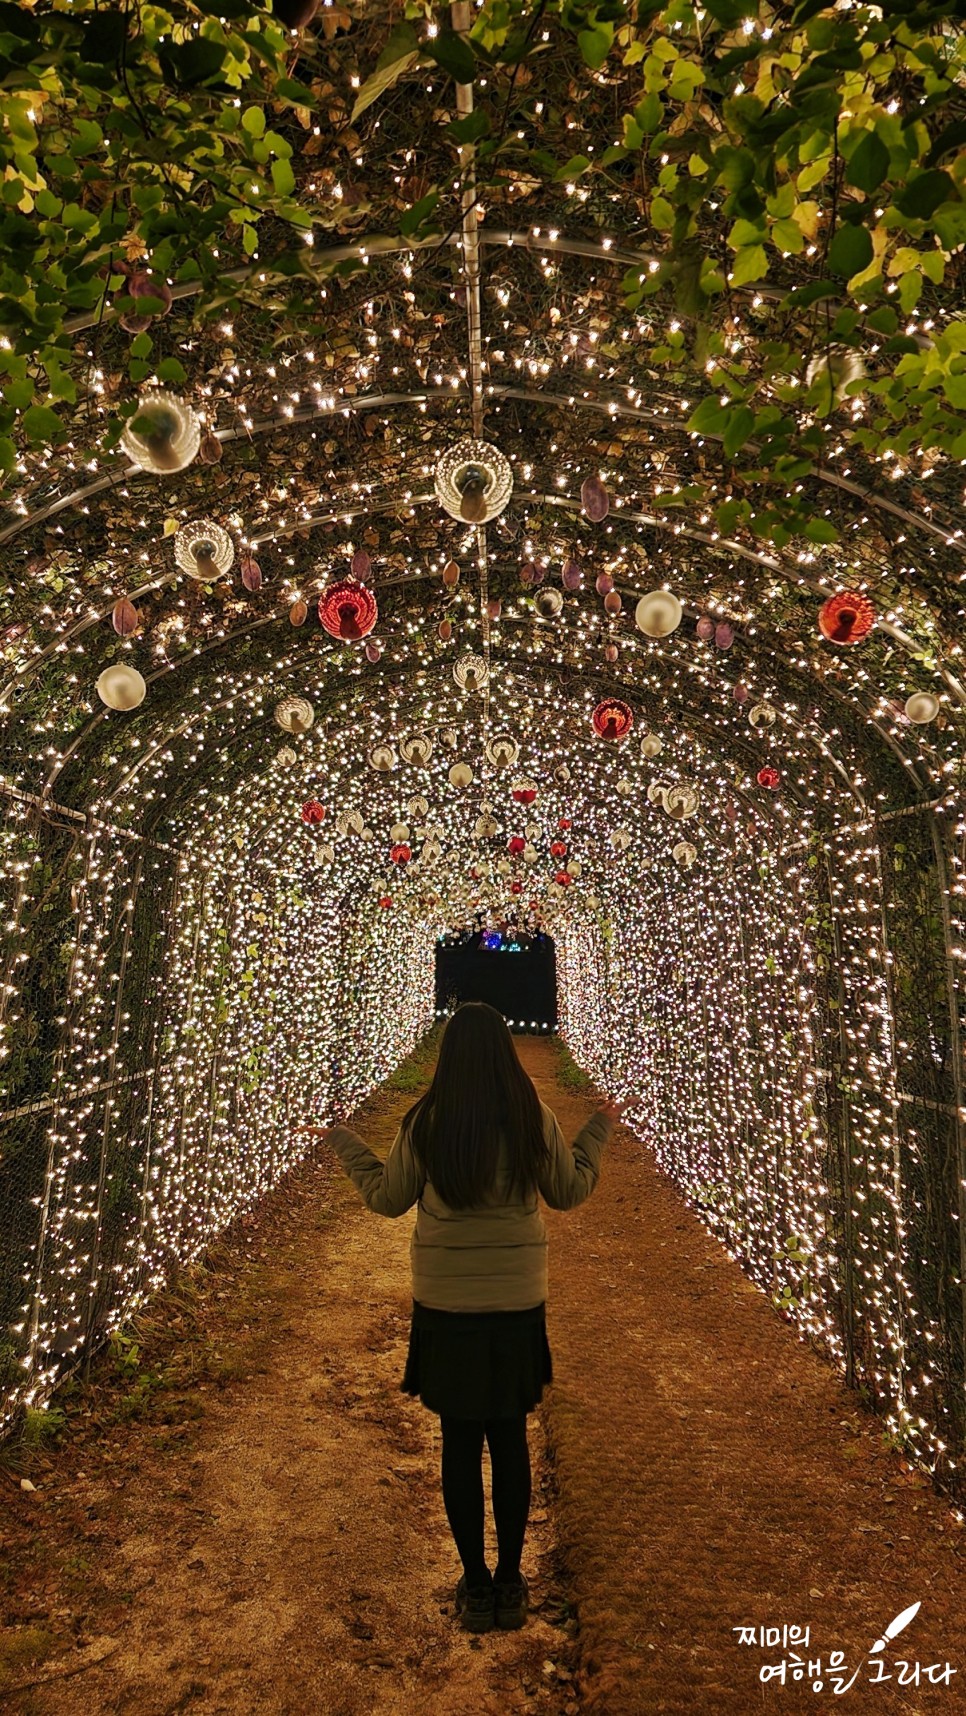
(390, 1187)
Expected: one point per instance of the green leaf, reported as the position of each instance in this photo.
(42, 424)
(253, 121)
(868, 164)
(709, 418)
(170, 369)
(283, 178)
(595, 44)
(398, 57)
(662, 214)
(470, 129)
(454, 54)
(850, 251)
(19, 394)
(250, 240)
(751, 263)
(740, 422)
(788, 236)
(821, 530)
(191, 62)
(411, 219)
(922, 195)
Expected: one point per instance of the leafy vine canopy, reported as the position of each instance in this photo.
(720, 258)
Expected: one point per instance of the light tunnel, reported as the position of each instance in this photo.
(221, 905)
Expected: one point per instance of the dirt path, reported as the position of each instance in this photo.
(269, 1535)
(260, 1529)
(713, 1474)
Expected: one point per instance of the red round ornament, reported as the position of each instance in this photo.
(563, 822)
(515, 845)
(613, 719)
(558, 848)
(401, 854)
(564, 878)
(516, 887)
(385, 902)
(846, 618)
(312, 811)
(768, 777)
(524, 795)
(347, 610)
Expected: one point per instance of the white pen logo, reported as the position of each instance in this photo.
(834, 1673)
(895, 1626)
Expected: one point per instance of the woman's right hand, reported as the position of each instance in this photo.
(613, 1111)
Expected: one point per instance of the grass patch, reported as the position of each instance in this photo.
(28, 1647)
(571, 1076)
(413, 1074)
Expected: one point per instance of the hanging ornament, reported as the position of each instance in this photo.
(474, 481)
(164, 433)
(846, 618)
(451, 574)
(416, 748)
(613, 604)
(548, 603)
(558, 848)
(401, 853)
(562, 879)
(470, 673)
(768, 777)
(681, 801)
(313, 812)
(705, 629)
(530, 852)
(399, 832)
(204, 550)
(575, 866)
(121, 687)
(502, 750)
(516, 845)
(461, 774)
(286, 756)
(741, 693)
(294, 714)
(524, 791)
(450, 738)
(373, 649)
(210, 449)
(251, 572)
(651, 746)
(385, 902)
(620, 839)
(348, 610)
(625, 787)
(572, 575)
(382, 758)
(658, 614)
(724, 635)
(684, 854)
(655, 792)
(485, 827)
(494, 607)
(418, 807)
(761, 715)
(298, 613)
(594, 499)
(922, 707)
(604, 584)
(360, 565)
(613, 719)
(562, 773)
(611, 652)
(125, 618)
(444, 630)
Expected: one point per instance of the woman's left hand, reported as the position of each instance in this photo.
(316, 1131)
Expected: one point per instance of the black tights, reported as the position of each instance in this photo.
(463, 1490)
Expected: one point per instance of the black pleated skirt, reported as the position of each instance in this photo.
(478, 1364)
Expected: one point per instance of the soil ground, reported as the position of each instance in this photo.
(244, 1515)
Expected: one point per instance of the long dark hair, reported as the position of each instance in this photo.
(479, 1091)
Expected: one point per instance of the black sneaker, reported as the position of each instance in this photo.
(475, 1605)
(512, 1602)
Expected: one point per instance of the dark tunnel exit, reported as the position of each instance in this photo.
(511, 970)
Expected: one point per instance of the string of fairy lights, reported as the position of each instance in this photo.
(264, 954)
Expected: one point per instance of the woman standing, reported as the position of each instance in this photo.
(474, 1151)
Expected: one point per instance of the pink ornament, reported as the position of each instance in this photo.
(611, 652)
(251, 572)
(572, 576)
(494, 607)
(741, 693)
(605, 583)
(724, 635)
(594, 499)
(527, 573)
(373, 650)
(705, 629)
(361, 564)
(613, 603)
